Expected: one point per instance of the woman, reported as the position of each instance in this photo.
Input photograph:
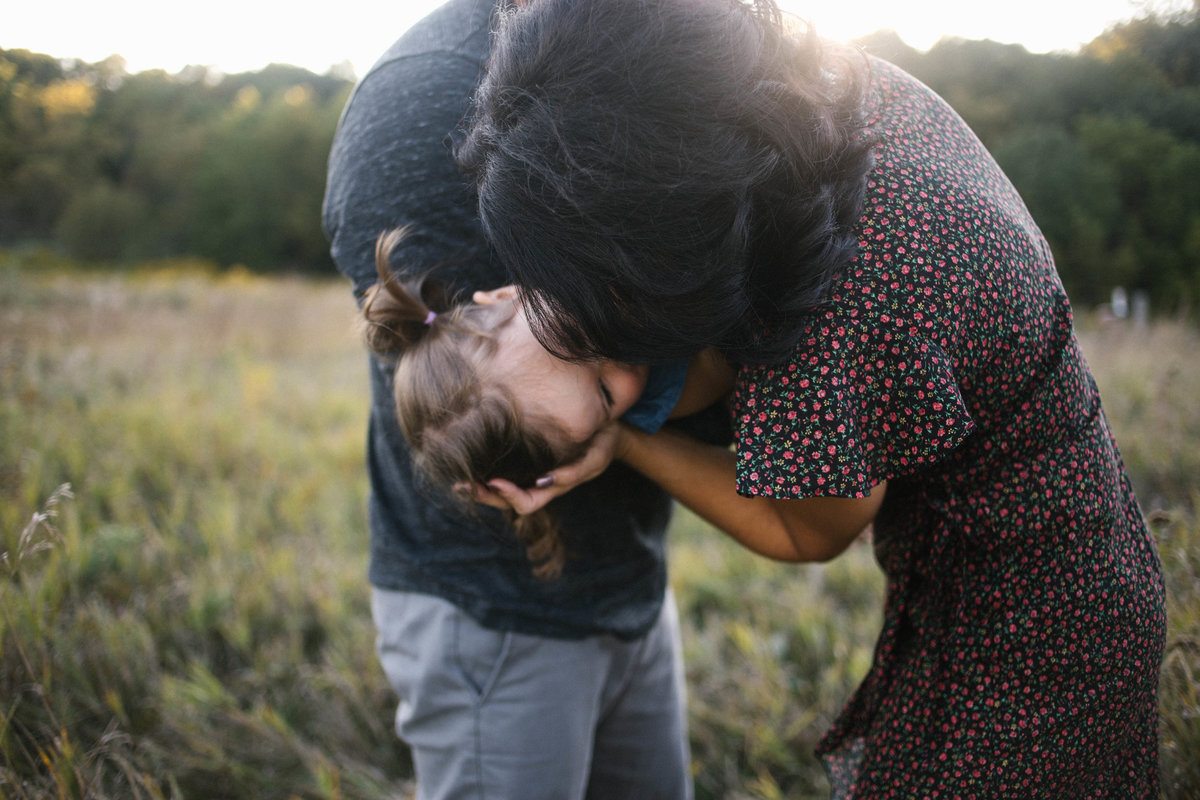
(663, 176)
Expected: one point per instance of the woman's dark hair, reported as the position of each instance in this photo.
(462, 428)
(662, 176)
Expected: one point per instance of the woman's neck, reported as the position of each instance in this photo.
(709, 379)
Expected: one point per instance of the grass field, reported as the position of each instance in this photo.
(183, 608)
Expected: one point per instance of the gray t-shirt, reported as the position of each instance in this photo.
(392, 165)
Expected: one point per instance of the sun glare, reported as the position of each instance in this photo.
(1039, 25)
(233, 35)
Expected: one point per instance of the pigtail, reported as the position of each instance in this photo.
(396, 314)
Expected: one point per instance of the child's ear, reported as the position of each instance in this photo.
(493, 296)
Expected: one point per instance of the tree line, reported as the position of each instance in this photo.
(114, 167)
(111, 167)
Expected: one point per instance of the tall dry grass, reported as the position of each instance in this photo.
(189, 619)
(199, 627)
(1149, 379)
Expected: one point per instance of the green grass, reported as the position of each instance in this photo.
(190, 618)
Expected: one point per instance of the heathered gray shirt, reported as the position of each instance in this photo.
(391, 165)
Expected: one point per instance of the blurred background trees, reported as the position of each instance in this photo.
(112, 167)
(121, 168)
(1103, 144)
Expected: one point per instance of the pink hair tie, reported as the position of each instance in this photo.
(430, 317)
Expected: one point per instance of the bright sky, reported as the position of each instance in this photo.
(246, 35)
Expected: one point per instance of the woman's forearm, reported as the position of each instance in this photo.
(702, 477)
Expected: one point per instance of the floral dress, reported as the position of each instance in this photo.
(1024, 619)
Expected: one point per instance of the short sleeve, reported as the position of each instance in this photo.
(865, 398)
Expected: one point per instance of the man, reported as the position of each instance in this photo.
(509, 686)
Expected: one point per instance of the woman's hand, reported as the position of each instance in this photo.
(504, 494)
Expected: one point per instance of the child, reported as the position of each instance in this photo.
(479, 399)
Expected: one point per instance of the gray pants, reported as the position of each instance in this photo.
(506, 716)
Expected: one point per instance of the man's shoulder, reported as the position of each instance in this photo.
(427, 76)
(457, 29)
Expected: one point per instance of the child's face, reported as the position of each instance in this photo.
(577, 398)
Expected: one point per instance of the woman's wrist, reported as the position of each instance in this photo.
(624, 441)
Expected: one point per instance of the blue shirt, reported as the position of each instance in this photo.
(658, 399)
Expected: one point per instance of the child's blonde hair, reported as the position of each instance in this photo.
(463, 430)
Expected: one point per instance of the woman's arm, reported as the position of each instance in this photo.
(702, 477)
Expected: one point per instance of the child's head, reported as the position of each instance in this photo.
(478, 398)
